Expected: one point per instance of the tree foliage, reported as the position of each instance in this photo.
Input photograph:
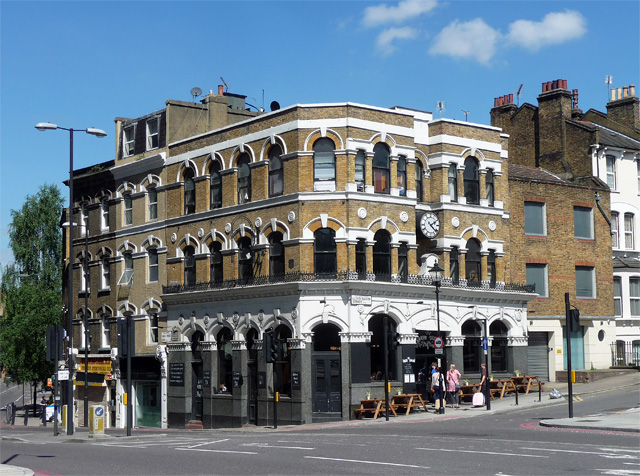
(31, 288)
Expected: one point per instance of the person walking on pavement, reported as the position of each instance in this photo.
(453, 386)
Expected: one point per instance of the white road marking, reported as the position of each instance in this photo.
(218, 451)
(482, 452)
(619, 472)
(266, 445)
(208, 443)
(606, 455)
(382, 463)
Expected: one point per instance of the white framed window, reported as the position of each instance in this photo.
(401, 181)
(105, 340)
(84, 219)
(537, 275)
(104, 214)
(127, 275)
(128, 209)
(153, 328)
(634, 296)
(615, 229)
(129, 141)
(535, 222)
(153, 265)
(324, 165)
(585, 282)
(583, 222)
(84, 281)
(153, 136)
(83, 333)
(105, 274)
(628, 231)
(489, 188)
(638, 173)
(360, 170)
(152, 197)
(617, 297)
(611, 172)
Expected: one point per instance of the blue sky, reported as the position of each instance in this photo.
(81, 64)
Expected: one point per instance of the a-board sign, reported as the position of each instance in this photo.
(206, 377)
(237, 379)
(176, 374)
(408, 368)
(295, 380)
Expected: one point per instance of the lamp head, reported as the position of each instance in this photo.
(96, 132)
(436, 273)
(46, 126)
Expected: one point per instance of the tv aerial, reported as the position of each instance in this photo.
(195, 92)
(466, 115)
(518, 94)
(440, 106)
(226, 86)
(608, 80)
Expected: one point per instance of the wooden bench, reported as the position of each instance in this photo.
(468, 391)
(374, 407)
(527, 382)
(500, 387)
(408, 401)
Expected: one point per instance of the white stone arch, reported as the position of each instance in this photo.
(271, 226)
(273, 139)
(151, 305)
(190, 326)
(215, 235)
(385, 224)
(125, 188)
(241, 149)
(212, 157)
(323, 132)
(103, 194)
(80, 256)
(424, 160)
(105, 311)
(383, 136)
(240, 232)
(325, 318)
(152, 241)
(427, 319)
(322, 222)
(82, 200)
(187, 240)
(471, 152)
(126, 247)
(150, 180)
(127, 308)
(477, 233)
(216, 328)
(80, 313)
(186, 163)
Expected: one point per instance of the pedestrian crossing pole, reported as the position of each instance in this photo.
(569, 329)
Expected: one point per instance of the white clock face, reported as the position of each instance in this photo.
(430, 225)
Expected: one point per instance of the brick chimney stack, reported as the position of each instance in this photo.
(503, 109)
(554, 109)
(624, 107)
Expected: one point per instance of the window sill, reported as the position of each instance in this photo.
(83, 293)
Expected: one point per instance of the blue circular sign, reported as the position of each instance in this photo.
(99, 411)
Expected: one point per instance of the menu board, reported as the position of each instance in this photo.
(176, 374)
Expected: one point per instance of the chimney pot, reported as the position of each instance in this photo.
(632, 90)
(220, 89)
(625, 91)
(510, 98)
(495, 102)
(613, 94)
(619, 93)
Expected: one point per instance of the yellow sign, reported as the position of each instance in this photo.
(124, 399)
(97, 367)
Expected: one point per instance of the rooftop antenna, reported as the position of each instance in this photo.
(226, 86)
(608, 80)
(195, 92)
(466, 115)
(518, 93)
(440, 106)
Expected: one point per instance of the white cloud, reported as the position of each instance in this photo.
(387, 37)
(406, 9)
(470, 40)
(555, 28)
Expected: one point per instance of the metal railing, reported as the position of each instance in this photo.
(625, 354)
(411, 279)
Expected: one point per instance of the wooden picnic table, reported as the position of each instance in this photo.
(469, 390)
(501, 387)
(527, 382)
(373, 406)
(408, 401)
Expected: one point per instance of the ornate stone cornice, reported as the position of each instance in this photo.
(239, 345)
(354, 337)
(407, 339)
(455, 341)
(177, 346)
(518, 341)
(297, 344)
(209, 345)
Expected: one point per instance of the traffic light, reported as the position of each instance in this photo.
(574, 320)
(270, 348)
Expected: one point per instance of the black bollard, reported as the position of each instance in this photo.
(516, 394)
(26, 415)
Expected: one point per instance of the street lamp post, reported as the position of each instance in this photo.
(485, 348)
(436, 278)
(47, 126)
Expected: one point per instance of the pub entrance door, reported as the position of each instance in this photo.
(327, 385)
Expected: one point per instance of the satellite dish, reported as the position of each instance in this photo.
(195, 92)
(275, 105)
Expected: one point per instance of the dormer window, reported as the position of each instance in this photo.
(129, 141)
(153, 136)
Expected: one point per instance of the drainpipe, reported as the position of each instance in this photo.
(598, 198)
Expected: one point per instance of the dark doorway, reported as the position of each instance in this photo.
(327, 386)
(252, 364)
(197, 385)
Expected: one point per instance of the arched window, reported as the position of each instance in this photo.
(471, 181)
(276, 171)
(152, 202)
(326, 338)
(490, 191)
(453, 182)
(499, 347)
(454, 265)
(419, 181)
(189, 266)
(276, 255)
(472, 262)
(189, 192)
(376, 327)
(491, 268)
(401, 181)
(361, 259)
(244, 178)
(382, 255)
(225, 360)
(245, 260)
(215, 263)
(361, 168)
(324, 251)
(215, 185)
(324, 165)
(472, 348)
(381, 168)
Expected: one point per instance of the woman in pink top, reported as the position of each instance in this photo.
(453, 386)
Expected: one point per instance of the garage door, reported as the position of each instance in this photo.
(538, 355)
